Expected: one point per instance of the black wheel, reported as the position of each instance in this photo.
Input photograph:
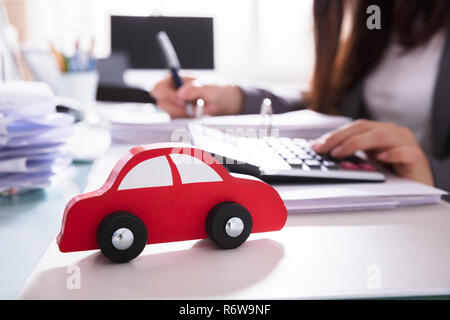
(121, 236)
(228, 224)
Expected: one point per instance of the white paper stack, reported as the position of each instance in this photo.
(306, 124)
(32, 136)
(137, 123)
(395, 192)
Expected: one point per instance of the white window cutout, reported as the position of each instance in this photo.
(193, 170)
(150, 173)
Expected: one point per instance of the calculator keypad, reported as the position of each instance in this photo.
(299, 154)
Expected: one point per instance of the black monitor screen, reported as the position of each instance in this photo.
(192, 38)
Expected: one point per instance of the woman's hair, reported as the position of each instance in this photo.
(340, 64)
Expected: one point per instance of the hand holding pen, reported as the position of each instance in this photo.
(185, 96)
(217, 99)
(173, 64)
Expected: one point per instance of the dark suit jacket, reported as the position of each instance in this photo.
(353, 106)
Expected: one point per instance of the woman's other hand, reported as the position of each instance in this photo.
(219, 99)
(386, 142)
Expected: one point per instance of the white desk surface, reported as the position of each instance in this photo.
(394, 253)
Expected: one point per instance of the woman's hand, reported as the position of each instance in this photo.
(219, 99)
(385, 142)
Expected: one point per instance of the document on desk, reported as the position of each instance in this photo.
(26, 98)
(13, 126)
(137, 123)
(47, 148)
(140, 123)
(395, 192)
(32, 136)
(303, 120)
(56, 135)
(37, 163)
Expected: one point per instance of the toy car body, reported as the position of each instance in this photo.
(169, 192)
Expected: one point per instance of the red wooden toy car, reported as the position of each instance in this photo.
(168, 192)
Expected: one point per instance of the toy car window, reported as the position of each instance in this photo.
(153, 172)
(193, 170)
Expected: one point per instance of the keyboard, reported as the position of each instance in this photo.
(275, 159)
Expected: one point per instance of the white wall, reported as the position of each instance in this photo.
(257, 40)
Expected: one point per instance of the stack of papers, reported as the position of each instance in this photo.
(306, 124)
(137, 123)
(32, 136)
(395, 192)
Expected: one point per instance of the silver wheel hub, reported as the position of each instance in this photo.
(122, 239)
(234, 227)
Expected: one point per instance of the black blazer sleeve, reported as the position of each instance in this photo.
(281, 103)
(441, 173)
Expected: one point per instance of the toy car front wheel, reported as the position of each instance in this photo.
(229, 225)
(121, 236)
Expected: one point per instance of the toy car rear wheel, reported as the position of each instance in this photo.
(229, 225)
(121, 236)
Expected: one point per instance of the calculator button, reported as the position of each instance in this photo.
(295, 162)
(353, 159)
(287, 155)
(301, 142)
(285, 141)
(313, 163)
(330, 164)
(367, 167)
(304, 155)
(281, 150)
(349, 165)
(327, 157)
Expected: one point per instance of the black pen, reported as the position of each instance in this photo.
(173, 64)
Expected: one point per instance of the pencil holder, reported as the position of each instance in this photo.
(81, 86)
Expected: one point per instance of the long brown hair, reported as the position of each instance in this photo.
(340, 65)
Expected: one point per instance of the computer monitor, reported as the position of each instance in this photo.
(192, 38)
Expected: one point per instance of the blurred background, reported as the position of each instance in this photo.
(260, 41)
(92, 63)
